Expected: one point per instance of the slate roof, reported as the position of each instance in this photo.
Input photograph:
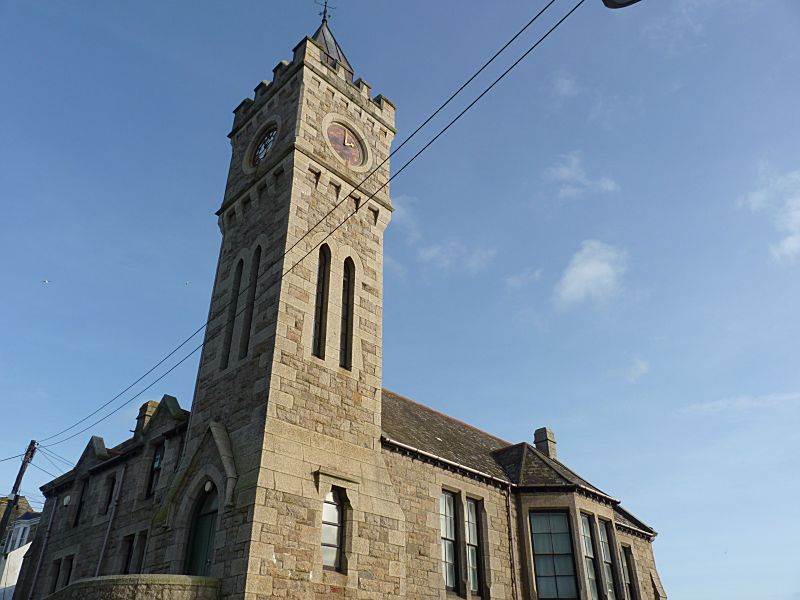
(426, 430)
(324, 38)
(421, 427)
(28, 516)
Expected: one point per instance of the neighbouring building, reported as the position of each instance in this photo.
(20, 533)
(296, 475)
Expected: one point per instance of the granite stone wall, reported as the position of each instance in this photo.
(141, 587)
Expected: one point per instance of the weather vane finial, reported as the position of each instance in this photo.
(325, 8)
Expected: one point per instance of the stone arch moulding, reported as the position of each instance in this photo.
(193, 475)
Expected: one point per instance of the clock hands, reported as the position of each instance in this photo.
(346, 143)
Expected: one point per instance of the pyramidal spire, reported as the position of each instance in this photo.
(324, 38)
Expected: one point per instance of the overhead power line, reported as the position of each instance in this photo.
(323, 219)
(35, 466)
(12, 457)
(52, 454)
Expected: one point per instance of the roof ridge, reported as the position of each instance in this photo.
(558, 463)
(438, 412)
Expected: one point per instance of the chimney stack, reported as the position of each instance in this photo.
(545, 441)
(145, 412)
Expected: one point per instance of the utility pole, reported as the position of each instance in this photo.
(15, 490)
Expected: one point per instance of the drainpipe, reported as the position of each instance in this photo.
(44, 547)
(117, 492)
(511, 543)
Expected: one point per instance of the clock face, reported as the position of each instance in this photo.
(346, 144)
(265, 145)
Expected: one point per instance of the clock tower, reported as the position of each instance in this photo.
(287, 407)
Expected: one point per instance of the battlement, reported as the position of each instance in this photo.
(312, 54)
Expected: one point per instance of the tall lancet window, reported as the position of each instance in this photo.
(244, 342)
(348, 306)
(233, 302)
(321, 306)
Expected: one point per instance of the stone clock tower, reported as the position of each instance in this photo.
(287, 407)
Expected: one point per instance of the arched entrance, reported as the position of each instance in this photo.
(200, 552)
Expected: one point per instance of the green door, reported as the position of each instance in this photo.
(200, 553)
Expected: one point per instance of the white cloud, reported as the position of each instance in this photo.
(594, 274)
(779, 196)
(454, 256)
(403, 218)
(564, 86)
(525, 277)
(570, 174)
(737, 404)
(682, 27)
(636, 370)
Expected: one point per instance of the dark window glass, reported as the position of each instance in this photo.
(138, 553)
(627, 569)
(332, 529)
(588, 556)
(348, 306)
(321, 304)
(55, 575)
(127, 553)
(66, 570)
(155, 470)
(81, 504)
(255, 265)
(552, 555)
(233, 302)
(472, 537)
(447, 521)
(111, 484)
(608, 562)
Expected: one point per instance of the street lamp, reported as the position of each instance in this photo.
(619, 3)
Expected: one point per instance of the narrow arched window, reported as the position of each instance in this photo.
(321, 305)
(244, 343)
(233, 302)
(332, 530)
(200, 552)
(348, 306)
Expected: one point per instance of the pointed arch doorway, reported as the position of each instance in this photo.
(200, 552)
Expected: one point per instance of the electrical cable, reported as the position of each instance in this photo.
(52, 454)
(357, 209)
(337, 205)
(12, 457)
(58, 468)
(35, 466)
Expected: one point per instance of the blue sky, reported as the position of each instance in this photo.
(609, 244)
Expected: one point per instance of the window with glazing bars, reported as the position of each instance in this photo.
(332, 529)
(608, 564)
(627, 569)
(552, 555)
(474, 559)
(447, 519)
(321, 303)
(587, 537)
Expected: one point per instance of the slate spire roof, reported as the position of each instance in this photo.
(324, 37)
